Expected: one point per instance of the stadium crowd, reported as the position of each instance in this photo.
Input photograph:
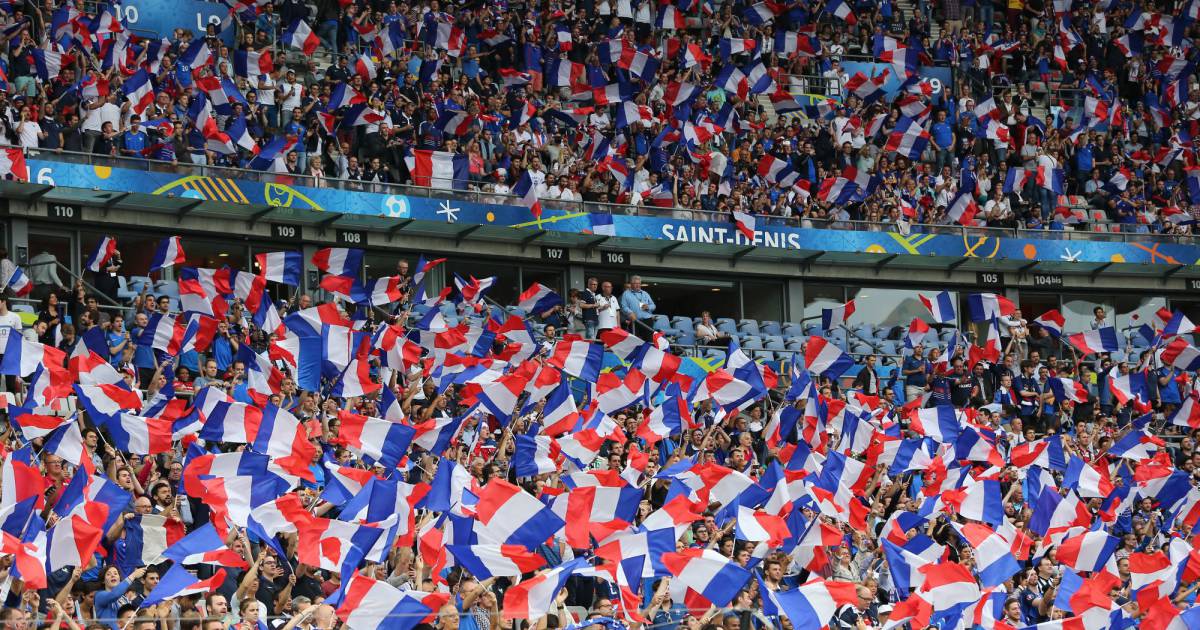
(1060, 113)
(391, 460)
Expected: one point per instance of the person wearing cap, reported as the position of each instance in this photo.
(289, 94)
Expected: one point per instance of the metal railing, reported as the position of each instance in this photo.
(1116, 231)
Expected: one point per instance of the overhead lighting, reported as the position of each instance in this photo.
(223, 255)
(716, 289)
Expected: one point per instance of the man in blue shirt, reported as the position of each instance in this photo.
(916, 374)
(636, 304)
(942, 135)
(134, 141)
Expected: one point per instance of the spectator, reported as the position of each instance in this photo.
(636, 304)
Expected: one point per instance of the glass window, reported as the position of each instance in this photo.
(762, 300)
(681, 296)
(383, 264)
(504, 290)
(549, 277)
(886, 307)
(819, 296)
(1134, 311)
(46, 252)
(212, 255)
(1077, 311)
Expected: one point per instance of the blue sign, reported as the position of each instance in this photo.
(771, 232)
(162, 17)
(940, 77)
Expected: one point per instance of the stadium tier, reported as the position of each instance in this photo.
(599, 315)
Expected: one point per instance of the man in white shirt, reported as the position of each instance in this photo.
(10, 322)
(98, 113)
(29, 132)
(607, 307)
(290, 92)
(264, 88)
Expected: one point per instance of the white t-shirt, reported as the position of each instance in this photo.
(607, 317)
(97, 117)
(265, 87)
(293, 101)
(28, 132)
(9, 322)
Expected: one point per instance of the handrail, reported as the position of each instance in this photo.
(97, 292)
(1117, 230)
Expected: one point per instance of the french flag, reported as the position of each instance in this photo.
(139, 91)
(837, 316)
(745, 224)
(18, 283)
(825, 359)
(579, 358)
(1129, 388)
(1087, 480)
(73, 539)
(514, 517)
(776, 171)
(1178, 324)
(526, 193)
(941, 306)
(438, 169)
(339, 261)
(986, 306)
(328, 543)
(249, 63)
(538, 299)
(196, 56)
(204, 546)
(103, 252)
(22, 357)
(1050, 178)
(301, 37)
(1015, 180)
(1068, 389)
(666, 419)
(535, 455)
(454, 122)
(559, 414)
(533, 598)
(139, 434)
(282, 267)
(1087, 552)
(909, 138)
(369, 603)
(758, 526)
(501, 396)
(993, 553)
(962, 208)
(670, 18)
(1095, 341)
(344, 96)
(1052, 321)
(709, 574)
(376, 440)
(1181, 354)
(177, 582)
(941, 423)
(485, 561)
(168, 254)
(840, 10)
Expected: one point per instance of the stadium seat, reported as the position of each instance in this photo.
(866, 331)
(123, 290)
(713, 353)
(23, 308)
(791, 329)
(752, 342)
(727, 326)
(516, 310)
(860, 348)
(686, 338)
(889, 346)
(764, 355)
(749, 326)
(811, 330)
(660, 322)
(775, 343)
(682, 323)
(796, 345)
(770, 328)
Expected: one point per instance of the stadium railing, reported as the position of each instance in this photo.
(1106, 231)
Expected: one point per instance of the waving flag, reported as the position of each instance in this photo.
(339, 261)
(941, 306)
(1052, 321)
(298, 35)
(12, 165)
(532, 598)
(177, 582)
(825, 359)
(1095, 341)
(511, 516)
(837, 316)
(714, 577)
(986, 306)
(369, 603)
(103, 252)
(168, 254)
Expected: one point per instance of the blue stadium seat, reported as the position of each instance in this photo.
(795, 344)
(661, 324)
(792, 329)
(774, 342)
(686, 338)
(1119, 356)
(770, 328)
(858, 347)
(749, 326)
(752, 342)
(123, 289)
(889, 346)
(947, 333)
(764, 355)
(813, 329)
(883, 332)
(713, 353)
(866, 331)
(516, 310)
(682, 323)
(727, 326)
